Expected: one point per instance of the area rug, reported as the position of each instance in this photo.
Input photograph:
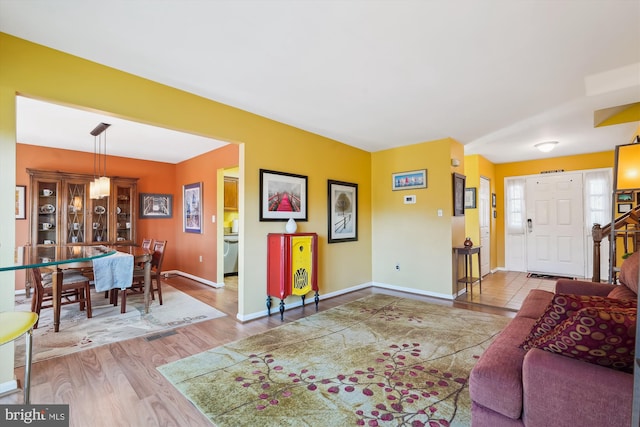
(108, 325)
(380, 360)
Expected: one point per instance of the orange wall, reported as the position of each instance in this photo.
(201, 169)
(154, 177)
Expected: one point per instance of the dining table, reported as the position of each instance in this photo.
(63, 257)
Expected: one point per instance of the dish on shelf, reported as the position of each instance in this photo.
(99, 210)
(47, 209)
(118, 210)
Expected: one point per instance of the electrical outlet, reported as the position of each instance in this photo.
(397, 266)
(200, 258)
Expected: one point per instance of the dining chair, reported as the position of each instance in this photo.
(146, 243)
(137, 285)
(14, 325)
(75, 290)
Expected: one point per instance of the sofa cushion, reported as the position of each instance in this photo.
(622, 292)
(535, 303)
(563, 306)
(496, 379)
(601, 335)
(629, 272)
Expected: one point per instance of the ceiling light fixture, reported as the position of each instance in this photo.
(100, 187)
(546, 146)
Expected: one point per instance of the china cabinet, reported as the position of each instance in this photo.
(61, 211)
(292, 267)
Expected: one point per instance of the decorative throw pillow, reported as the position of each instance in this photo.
(622, 292)
(563, 306)
(604, 336)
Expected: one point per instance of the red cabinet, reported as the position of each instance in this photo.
(292, 265)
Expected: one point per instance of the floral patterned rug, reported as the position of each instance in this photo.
(378, 361)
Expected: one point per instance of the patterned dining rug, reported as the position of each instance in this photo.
(380, 360)
(108, 325)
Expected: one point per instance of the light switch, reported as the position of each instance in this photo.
(213, 218)
(439, 212)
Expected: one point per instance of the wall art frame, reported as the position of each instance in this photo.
(282, 196)
(342, 200)
(409, 180)
(21, 202)
(156, 205)
(624, 207)
(458, 193)
(192, 208)
(470, 198)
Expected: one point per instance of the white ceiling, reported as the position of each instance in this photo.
(498, 76)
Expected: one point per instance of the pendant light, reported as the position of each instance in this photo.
(100, 187)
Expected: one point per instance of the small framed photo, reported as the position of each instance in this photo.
(21, 206)
(624, 197)
(624, 207)
(470, 198)
(192, 208)
(156, 205)
(343, 211)
(493, 200)
(409, 180)
(282, 196)
(458, 194)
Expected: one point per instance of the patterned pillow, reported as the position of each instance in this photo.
(604, 336)
(563, 306)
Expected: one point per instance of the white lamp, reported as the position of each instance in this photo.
(546, 146)
(100, 187)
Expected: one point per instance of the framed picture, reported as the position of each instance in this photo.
(625, 197)
(409, 180)
(21, 207)
(624, 207)
(458, 194)
(156, 205)
(470, 198)
(343, 211)
(192, 207)
(282, 196)
(493, 200)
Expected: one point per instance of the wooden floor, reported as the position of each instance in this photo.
(118, 384)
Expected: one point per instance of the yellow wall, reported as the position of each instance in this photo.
(44, 73)
(413, 235)
(476, 166)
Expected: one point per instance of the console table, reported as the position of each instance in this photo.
(467, 279)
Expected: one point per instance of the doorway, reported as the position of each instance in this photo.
(555, 231)
(485, 225)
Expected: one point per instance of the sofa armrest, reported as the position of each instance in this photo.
(559, 390)
(579, 287)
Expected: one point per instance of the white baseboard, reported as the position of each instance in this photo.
(275, 308)
(192, 277)
(414, 291)
(9, 387)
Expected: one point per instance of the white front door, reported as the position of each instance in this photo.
(555, 233)
(485, 226)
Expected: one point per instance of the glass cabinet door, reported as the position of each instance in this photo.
(124, 211)
(76, 204)
(47, 208)
(100, 220)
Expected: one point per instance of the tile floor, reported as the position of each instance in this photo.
(505, 289)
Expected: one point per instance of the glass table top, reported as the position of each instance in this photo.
(39, 256)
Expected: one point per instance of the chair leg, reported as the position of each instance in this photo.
(159, 289)
(87, 299)
(27, 367)
(37, 297)
(123, 304)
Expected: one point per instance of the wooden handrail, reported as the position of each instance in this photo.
(631, 218)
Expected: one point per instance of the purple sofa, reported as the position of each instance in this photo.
(513, 387)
